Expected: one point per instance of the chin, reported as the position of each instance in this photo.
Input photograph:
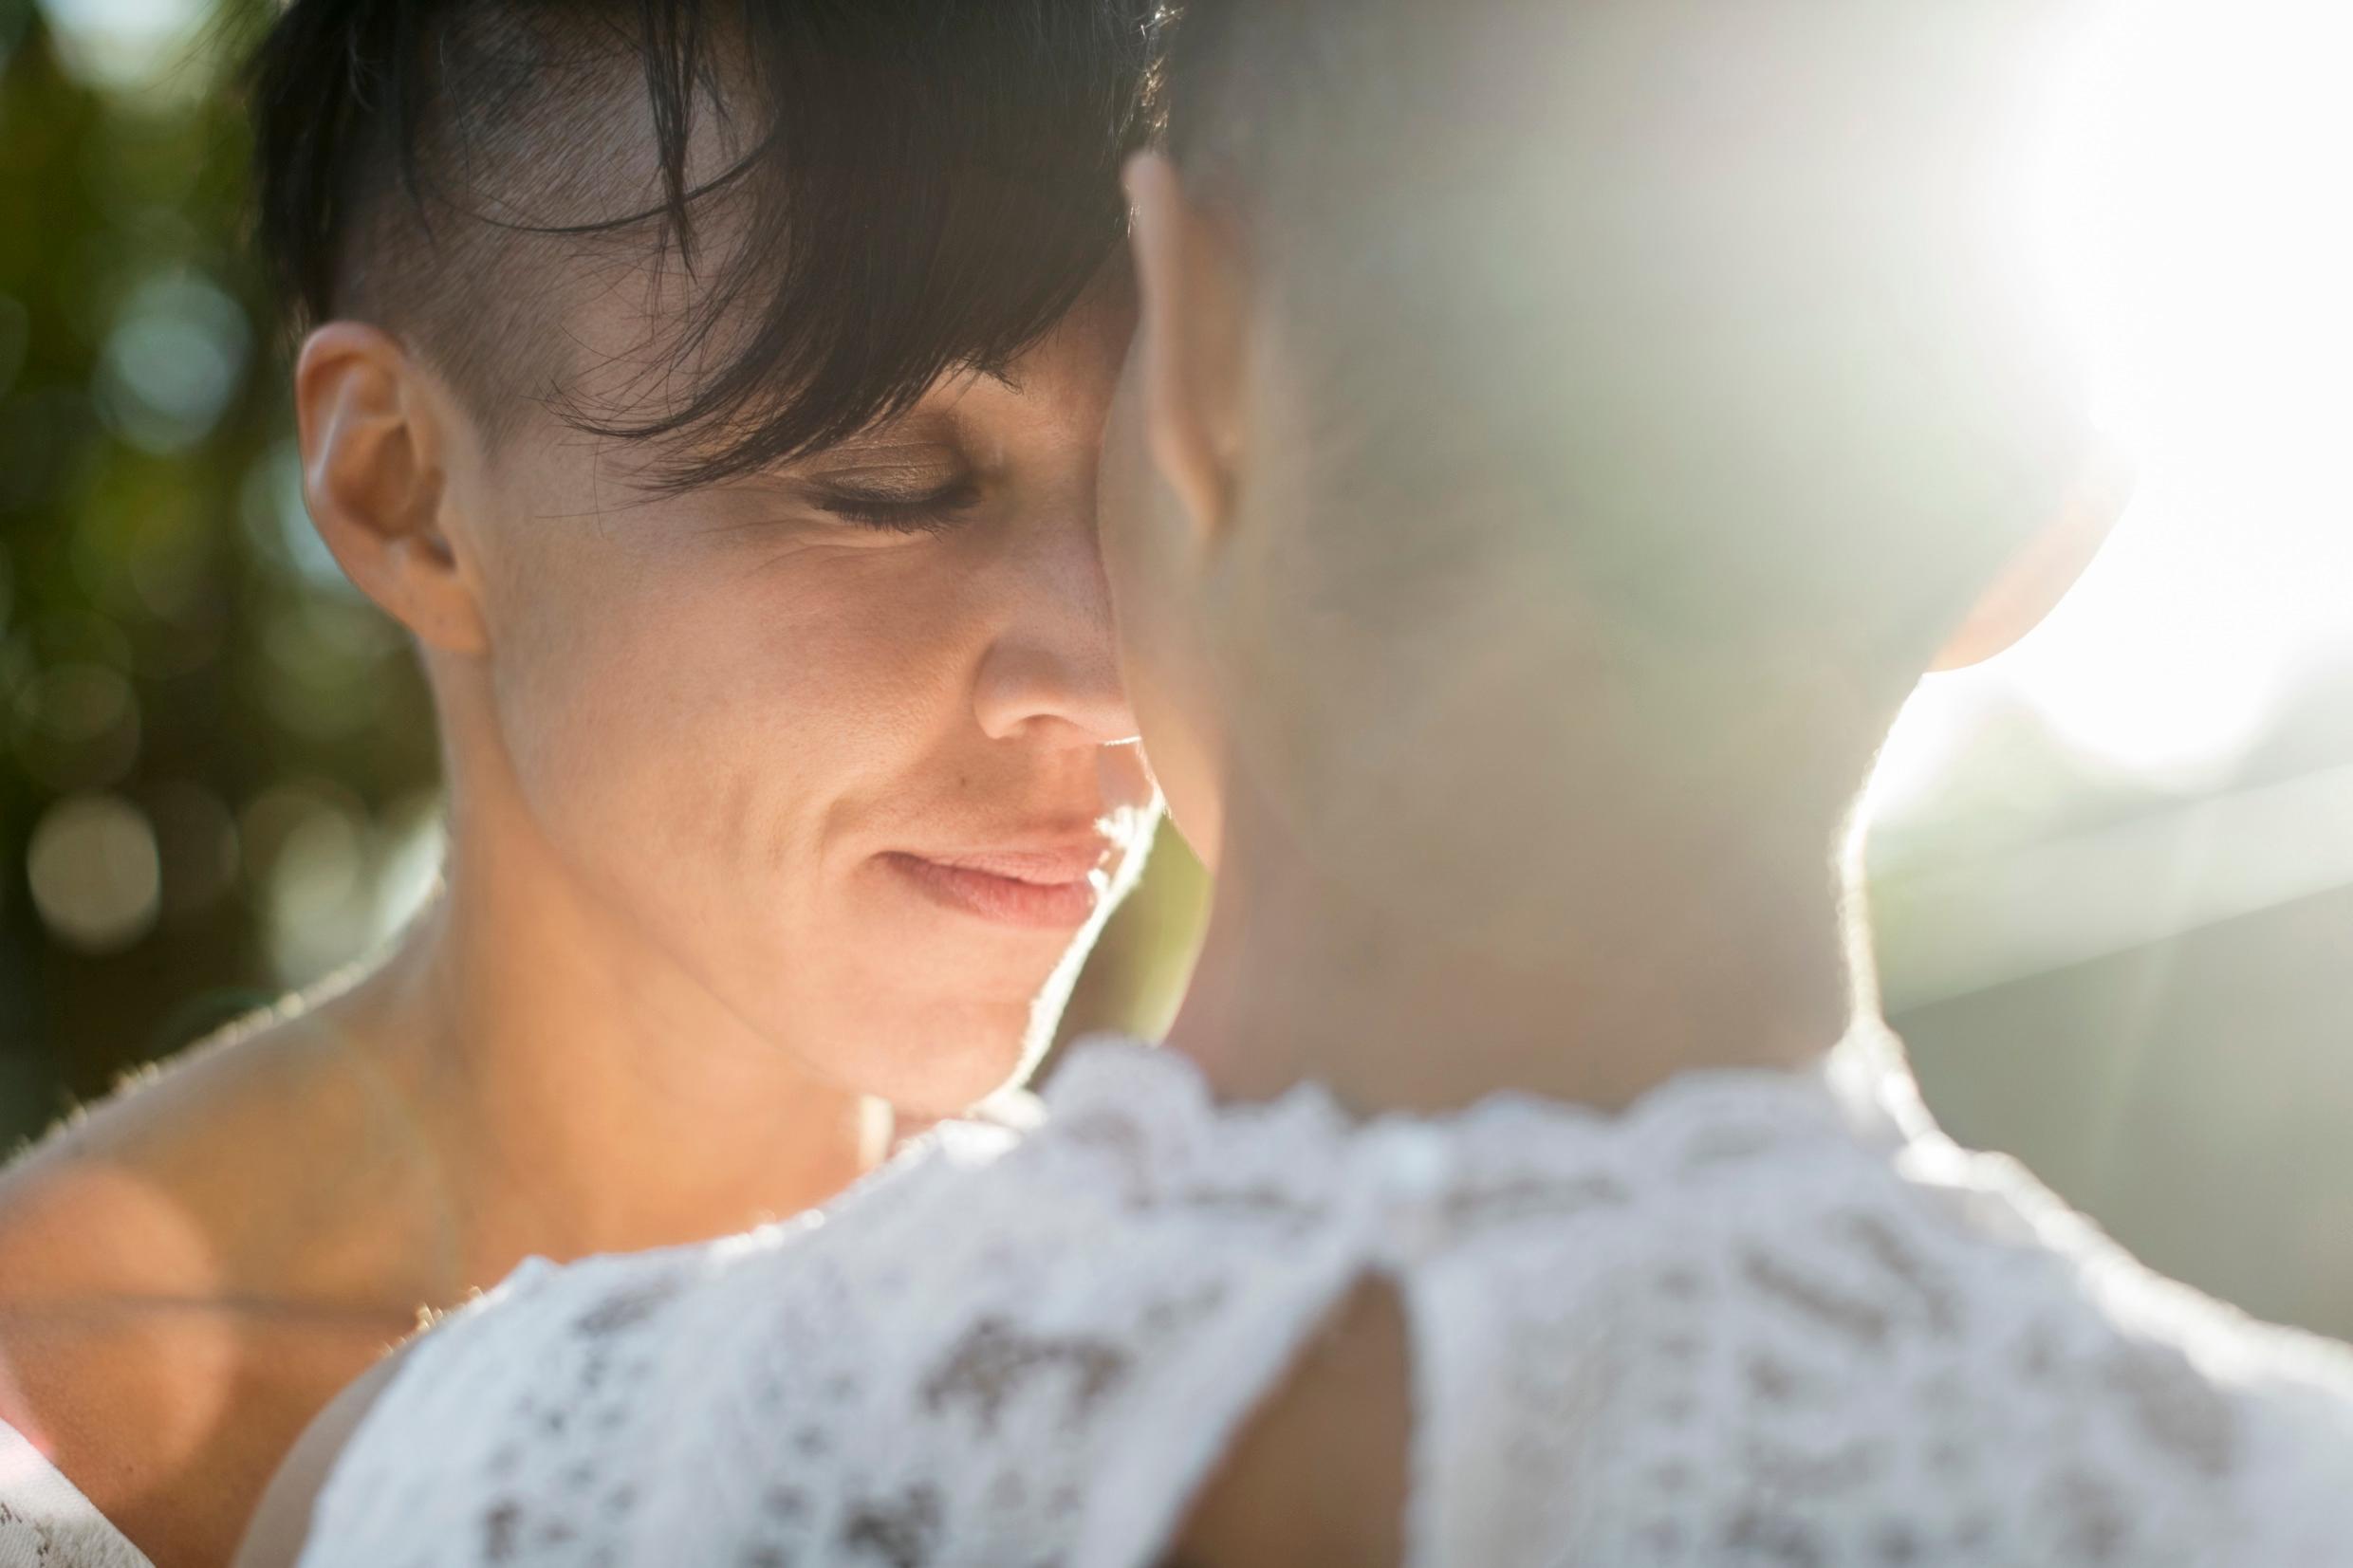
(938, 1077)
(965, 1049)
(937, 1060)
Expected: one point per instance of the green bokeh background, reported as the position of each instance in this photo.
(163, 639)
(216, 762)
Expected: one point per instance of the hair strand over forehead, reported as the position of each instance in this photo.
(903, 187)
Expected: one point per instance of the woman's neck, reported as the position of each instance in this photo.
(1621, 972)
(578, 1090)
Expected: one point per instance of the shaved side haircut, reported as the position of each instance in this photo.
(840, 202)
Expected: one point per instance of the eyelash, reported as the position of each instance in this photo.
(933, 513)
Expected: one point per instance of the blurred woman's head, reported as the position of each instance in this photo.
(1502, 499)
(715, 393)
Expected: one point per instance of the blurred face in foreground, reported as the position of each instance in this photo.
(1489, 492)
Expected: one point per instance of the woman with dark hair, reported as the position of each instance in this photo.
(1539, 484)
(714, 393)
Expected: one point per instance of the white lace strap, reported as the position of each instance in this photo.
(45, 1521)
(1387, 1216)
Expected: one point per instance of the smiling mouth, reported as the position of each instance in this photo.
(1040, 890)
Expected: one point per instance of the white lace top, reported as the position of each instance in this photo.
(1760, 1318)
(45, 1521)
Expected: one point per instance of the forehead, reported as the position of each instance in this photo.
(1083, 352)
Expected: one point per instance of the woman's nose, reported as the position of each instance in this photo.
(1051, 671)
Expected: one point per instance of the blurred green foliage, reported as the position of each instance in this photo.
(185, 692)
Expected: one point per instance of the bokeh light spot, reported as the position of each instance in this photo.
(309, 855)
(415, 842)
(279, 521)
(125, 45)
(174, 355)
(95, 872)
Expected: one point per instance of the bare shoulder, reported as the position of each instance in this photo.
(185, 1175)
(170, 1314)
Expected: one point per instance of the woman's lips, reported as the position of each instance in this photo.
(1045, 889)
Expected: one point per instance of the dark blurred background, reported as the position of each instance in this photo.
(2112, 873)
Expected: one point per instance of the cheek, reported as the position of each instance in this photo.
(703, 721)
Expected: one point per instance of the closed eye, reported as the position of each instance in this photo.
(935, 512)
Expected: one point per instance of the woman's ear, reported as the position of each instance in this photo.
(2041, 574)
(375, 431)
(1191, 340)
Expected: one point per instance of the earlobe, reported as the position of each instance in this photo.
(373, 436)
(2034, 582)
(1190, 341)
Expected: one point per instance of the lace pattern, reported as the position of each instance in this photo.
(45, 1523)
(1761, 1317)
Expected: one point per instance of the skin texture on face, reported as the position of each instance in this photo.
(835, 747)
(756, 720)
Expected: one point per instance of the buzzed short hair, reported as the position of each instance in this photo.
(858, 198)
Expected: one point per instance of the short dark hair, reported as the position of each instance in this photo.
(910, 187)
